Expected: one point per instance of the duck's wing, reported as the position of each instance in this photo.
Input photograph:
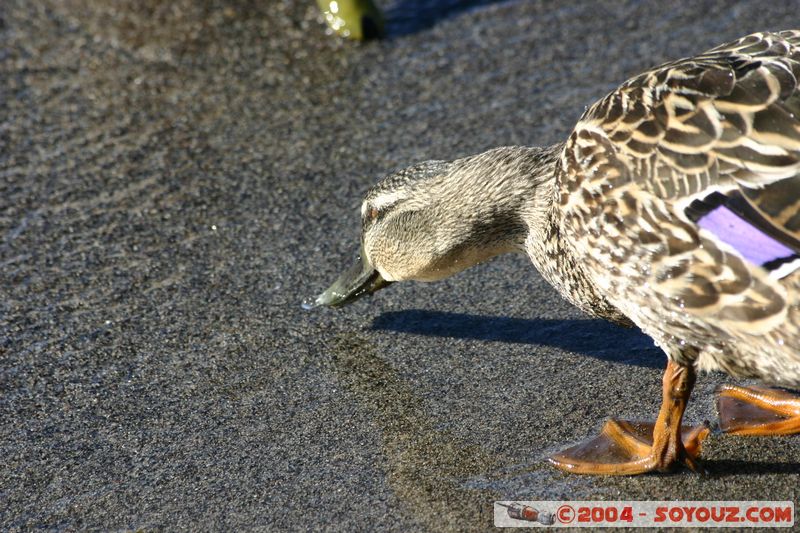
(705, 148)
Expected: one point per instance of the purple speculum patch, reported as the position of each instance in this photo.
(752, 243)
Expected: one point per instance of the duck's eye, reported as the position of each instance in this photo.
(372, 213)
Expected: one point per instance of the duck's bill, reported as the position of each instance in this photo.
(358, 280)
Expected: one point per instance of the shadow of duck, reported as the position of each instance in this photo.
(719, 468)
(595, 338)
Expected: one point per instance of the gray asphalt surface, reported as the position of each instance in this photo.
(176, 176)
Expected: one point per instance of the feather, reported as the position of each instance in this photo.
(706, 153)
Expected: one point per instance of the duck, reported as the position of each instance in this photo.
(672, 206)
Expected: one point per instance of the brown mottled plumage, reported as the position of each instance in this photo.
(674, 205)
(726, 120)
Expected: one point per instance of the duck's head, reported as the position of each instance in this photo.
(436, 218)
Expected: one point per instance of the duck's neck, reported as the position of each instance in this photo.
(543, 238)
(531, 178)
(513, 197)
(510, 194)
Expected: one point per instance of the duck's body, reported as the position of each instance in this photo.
(726, 122)
(674, 205)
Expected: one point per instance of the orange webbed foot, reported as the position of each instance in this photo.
(758, 411)
(628, 448)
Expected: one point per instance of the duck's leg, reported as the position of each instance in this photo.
(627, 448)
(758, 411)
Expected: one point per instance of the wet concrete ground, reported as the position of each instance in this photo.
(177, 176)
